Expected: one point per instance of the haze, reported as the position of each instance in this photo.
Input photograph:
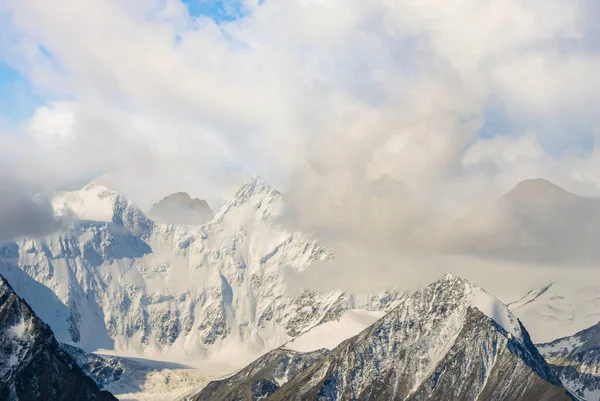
(390, 127)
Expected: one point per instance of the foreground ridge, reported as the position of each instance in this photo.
(449, 341)
(32, 365)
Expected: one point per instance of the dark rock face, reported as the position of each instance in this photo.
(32, 365)
(180, 208)
(261, 378)
(576, 361)
(434, 346)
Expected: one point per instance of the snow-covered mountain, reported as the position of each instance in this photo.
(261, 378)
(576, 361)
(32, 365)
(114, 279)
(180, 208)
(450, 341)
(559, 309)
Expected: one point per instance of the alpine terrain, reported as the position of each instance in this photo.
(558, 309)
(32, 364)
(450, 341)
(113, 279)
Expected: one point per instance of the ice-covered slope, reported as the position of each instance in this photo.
(32, 365)
(103, 371)
(576, 361)
(138, 379)
(261, 378)
(559, 309)
(330, 334)
(450, 341)
(114, 279)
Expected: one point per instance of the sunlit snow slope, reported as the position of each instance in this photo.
(558, 309)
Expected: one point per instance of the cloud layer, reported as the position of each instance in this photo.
(377, 118)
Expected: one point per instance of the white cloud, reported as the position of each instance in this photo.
(503, 150)
(53, 122)
(339, 103)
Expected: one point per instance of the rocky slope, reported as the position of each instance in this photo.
(449, 341)
(576, 361)
(180, 208)
(114, 279)
(261, 378)
(32, 365)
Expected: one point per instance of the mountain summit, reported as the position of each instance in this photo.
(180, 208)
(539, 191)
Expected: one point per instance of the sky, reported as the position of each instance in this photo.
(205, 93)
(347, 106)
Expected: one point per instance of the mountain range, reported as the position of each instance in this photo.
(449, 341)
(113, 280)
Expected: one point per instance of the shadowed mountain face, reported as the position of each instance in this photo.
(535, 222)
(576, 361)
(180, 208)
(450, 341)
(32, 365)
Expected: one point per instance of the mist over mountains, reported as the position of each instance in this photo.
(412, 154)
(228, 290)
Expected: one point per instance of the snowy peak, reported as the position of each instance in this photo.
(450, 340)
(255, 186)
(180, 208)
(92, 202)
(253, 194)
(478, 298)
(96, 202)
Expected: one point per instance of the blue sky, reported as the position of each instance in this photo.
(17, 97)
(217, 10)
